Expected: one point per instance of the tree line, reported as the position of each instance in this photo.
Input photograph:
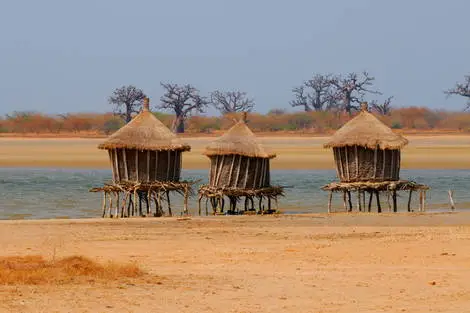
(323, 92)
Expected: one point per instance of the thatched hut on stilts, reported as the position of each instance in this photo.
(240, 168)
(367, 156)
(145, 158)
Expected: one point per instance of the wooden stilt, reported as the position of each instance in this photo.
(349, 202)
(363, 197)
(424, 201)
(409, 200)
(330, 196)
(344, 202)
(388, 201)
(371, 194)
(420, 201)
(104, 205)
(359, 209)
(185, 209)
(199, 204)
(379, 208)
(168, 202)
(394, 199)
(118, 202)
(110, 205)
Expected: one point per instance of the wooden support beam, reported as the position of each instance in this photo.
(330, 196)
(394, 198)
(409, 200)
(377, 196)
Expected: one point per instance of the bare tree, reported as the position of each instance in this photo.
(231, 101)
(319, 96)
(352, 88)
(383, 108)
(127, 100)
(301, 99)
(183, 100)
(461, 89)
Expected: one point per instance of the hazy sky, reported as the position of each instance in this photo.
(68, 56)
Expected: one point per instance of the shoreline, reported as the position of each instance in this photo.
(303, 263)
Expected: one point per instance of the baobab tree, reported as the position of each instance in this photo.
(315, 94)
(383, 108)
(461, 89)
(183, 100)
(352, 88)
(231, 101)
(127, 100)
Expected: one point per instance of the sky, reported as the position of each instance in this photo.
(60, 56)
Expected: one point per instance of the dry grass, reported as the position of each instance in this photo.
(35, 270)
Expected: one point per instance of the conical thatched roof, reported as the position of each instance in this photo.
(238, 140)
(366, 130)
(144, 132)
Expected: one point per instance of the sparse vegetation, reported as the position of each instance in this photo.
(35, 270)
(317, 122)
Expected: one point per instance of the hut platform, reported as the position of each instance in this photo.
(390, 188)
(216, 197)
(120, 199)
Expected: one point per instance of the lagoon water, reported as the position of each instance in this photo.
(63, 193)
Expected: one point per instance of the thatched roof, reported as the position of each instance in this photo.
(238, 140)
(366, 130)
(144, 132)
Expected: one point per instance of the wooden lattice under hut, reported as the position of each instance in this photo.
(145, 158)
(367, 156)
(239, 169)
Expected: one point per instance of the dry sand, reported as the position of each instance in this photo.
(316, 263)
(423, 152)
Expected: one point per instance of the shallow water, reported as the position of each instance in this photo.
(57, 193)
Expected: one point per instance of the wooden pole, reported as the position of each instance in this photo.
(424, 201)
(349, 201)
(371, 193)
(420, 201)
(409, 200)
(394, 198)
(377, 196)
(344, 201)
(199, 204)
(185, 210)
(169, 203)
(359, 209)
(330, 196)
(388, 201)
(451, 199)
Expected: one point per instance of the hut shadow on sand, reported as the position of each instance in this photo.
(239, 170)
(146, 159)
(367, 156)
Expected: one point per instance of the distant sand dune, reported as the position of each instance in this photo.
(423, 152)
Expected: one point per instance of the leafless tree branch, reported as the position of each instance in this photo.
(231, 101)
(127, 100)
(461, 89)
(382, 108)
(184, 100)
(352, 88)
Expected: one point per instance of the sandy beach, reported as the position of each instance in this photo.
(312, 263)
(423, 152)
